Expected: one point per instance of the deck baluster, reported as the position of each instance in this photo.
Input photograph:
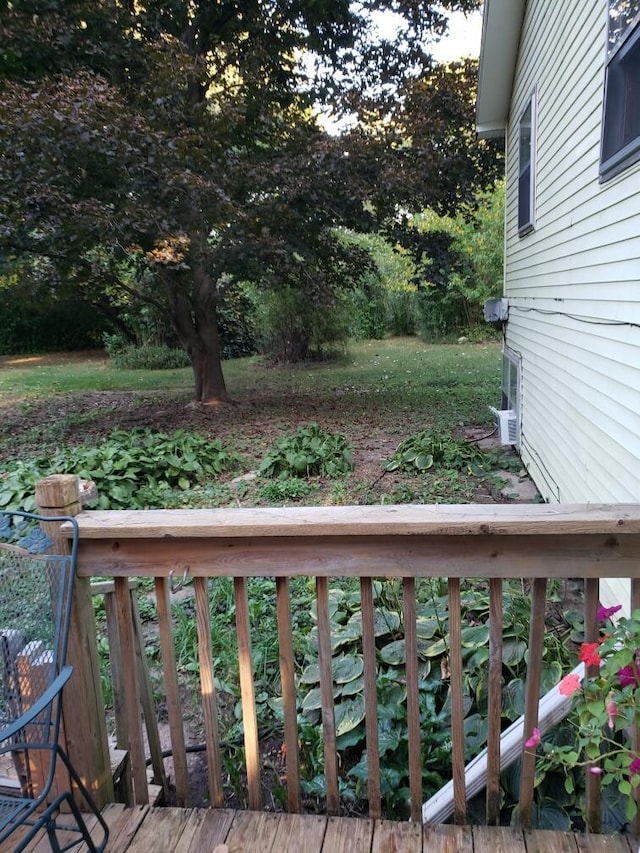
(289, 702)
(326, 696)
(591, 635)
(247, 694)
(174, 706)
(532, 696)
(208, 691)
(457, 703)
(370, 696)
(413, 699)
(494, 710)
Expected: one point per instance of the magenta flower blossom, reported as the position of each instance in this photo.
(627, 676)
(534, 740)
(603, 613)
(634, 767)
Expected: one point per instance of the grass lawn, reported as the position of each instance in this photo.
(380, 393)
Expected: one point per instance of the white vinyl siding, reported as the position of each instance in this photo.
(577, 276)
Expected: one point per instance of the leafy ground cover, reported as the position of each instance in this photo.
(394, 421)
(380, 394)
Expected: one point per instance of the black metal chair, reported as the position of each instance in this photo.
(36, 776)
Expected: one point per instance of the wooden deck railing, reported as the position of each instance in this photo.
(533, 542)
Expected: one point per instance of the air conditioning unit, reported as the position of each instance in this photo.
(507, 425)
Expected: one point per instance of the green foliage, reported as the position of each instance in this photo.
(605, 710)
(282, 490)
(237, 320)
(149, 358)
(310, 451)
(37, 319)
(132, 470)
(462, 266)
(401, 312)
(426, 449)
(292, 328)
(435, 702)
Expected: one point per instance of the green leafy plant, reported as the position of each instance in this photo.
(427, 449)
(150, 357)
(310, 451)
(433, 686)
(290, 489)
(132, 470)
(605, 708)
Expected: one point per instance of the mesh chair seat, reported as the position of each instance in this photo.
(13, 809)
(35, 606)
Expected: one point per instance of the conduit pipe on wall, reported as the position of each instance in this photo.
(553, 708)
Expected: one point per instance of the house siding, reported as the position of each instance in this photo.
(573, 282)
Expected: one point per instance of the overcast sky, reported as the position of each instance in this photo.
(463, 38)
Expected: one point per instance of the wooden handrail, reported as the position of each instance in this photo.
(488, 542)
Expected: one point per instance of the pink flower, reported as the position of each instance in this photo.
(611, 710)
(596, 771)
(534, 740)
(603, 613)
(589, 655)
(627, 676)
(634, 767)
(569, 684)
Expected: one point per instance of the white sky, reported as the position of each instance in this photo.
(462, 39)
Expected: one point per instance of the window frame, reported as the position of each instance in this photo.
(621, 89)
(526, 218)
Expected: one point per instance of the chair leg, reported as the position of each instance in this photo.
(91, 803)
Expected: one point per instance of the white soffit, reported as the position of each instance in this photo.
(501, 25)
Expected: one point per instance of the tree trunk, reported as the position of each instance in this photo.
(195, 321)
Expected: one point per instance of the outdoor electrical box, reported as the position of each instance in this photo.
(496, 310)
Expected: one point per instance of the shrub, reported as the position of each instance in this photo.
(132, 470)
(420, 452)
(293, 327)
(149, 357)
(310, 451)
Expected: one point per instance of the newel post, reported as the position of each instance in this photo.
(82, 706)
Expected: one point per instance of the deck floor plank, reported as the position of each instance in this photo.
(348, 835)
(204, 830)
(497, 839)
(546, 841)
(252, 831)
(602, 843)
(298, 833)
(390, 836)
(445, 838)
(122, 833)
(160, 831)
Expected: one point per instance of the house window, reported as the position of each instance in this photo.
(526, 168)
(621, 119)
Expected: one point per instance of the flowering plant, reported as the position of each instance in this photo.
(606, 707)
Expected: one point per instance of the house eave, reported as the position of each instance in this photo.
(501, 27)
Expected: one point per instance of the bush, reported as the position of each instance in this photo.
(310, 451)
(293, 327)
(132, 470)
(237, 320)
(149, 358)
(368, 313)
(401, 312)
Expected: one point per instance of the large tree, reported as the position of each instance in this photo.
(183, 136)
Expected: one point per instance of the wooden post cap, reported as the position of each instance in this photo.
(58, 491)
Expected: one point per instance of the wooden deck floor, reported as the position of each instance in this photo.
(167, 830)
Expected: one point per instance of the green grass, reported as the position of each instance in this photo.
(379, 394)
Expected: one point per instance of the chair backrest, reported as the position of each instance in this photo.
(35, 605)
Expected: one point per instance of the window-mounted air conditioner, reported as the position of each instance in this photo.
(507, 425)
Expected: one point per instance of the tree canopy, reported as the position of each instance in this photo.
(183, 136)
